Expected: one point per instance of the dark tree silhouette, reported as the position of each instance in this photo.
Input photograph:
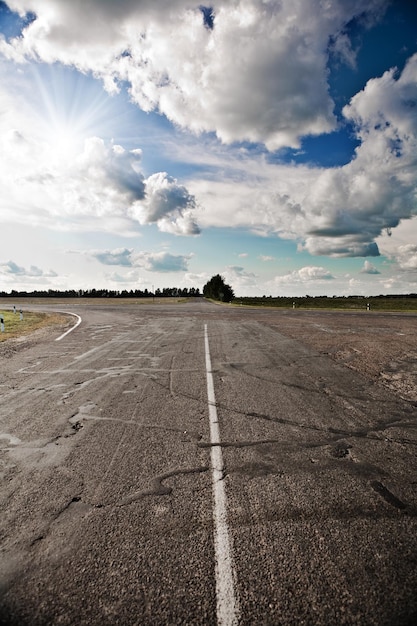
(217, 289)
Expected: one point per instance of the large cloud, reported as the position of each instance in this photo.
(98, 182)
(255, 71)
(51, 180)
(379, 187)
(338, 211)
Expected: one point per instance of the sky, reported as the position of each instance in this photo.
(155, 143)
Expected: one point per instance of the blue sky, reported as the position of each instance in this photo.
(158, 143)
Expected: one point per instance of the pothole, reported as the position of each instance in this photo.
(341, 450)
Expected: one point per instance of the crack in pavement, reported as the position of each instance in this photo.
(387, 495)
(360, 433)
(157, 488)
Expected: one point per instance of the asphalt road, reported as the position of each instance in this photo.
(190, 464)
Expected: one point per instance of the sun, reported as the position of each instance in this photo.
(71, 108)
(65, 141)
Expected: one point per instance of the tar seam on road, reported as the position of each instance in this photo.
(72, 328)
(227, 601)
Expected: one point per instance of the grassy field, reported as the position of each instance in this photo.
(15, 327)
(350, 303)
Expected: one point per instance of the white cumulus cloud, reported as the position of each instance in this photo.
(167, 204)
(304, 275)
(369, 268)
(150, 261)
(250, 71)
(10, 268)
(339, 211)
(57, 182)
(258, 74)
(119, 256)
(407, 256)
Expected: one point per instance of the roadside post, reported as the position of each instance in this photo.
(14, 308)
(368, 307)
(2, 323)
(21, 314)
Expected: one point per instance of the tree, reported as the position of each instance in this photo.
(217, 289)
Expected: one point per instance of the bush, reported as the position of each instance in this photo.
(217, 289)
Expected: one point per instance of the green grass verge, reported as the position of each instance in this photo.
(15, 327)
(349, 303)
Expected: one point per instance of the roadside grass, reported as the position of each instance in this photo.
(349, 303)
(15, 327)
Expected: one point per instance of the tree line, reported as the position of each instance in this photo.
(166, 292)
(215, 289)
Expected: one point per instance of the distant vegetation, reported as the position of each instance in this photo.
(217, 289)
(376, 303)
(168, 292)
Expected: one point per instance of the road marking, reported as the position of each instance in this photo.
(227, 601)
(71, 329)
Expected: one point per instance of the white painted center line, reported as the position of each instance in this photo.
(79, 320)
(227, 600)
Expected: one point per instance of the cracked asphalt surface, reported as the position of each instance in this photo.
(106, 492)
